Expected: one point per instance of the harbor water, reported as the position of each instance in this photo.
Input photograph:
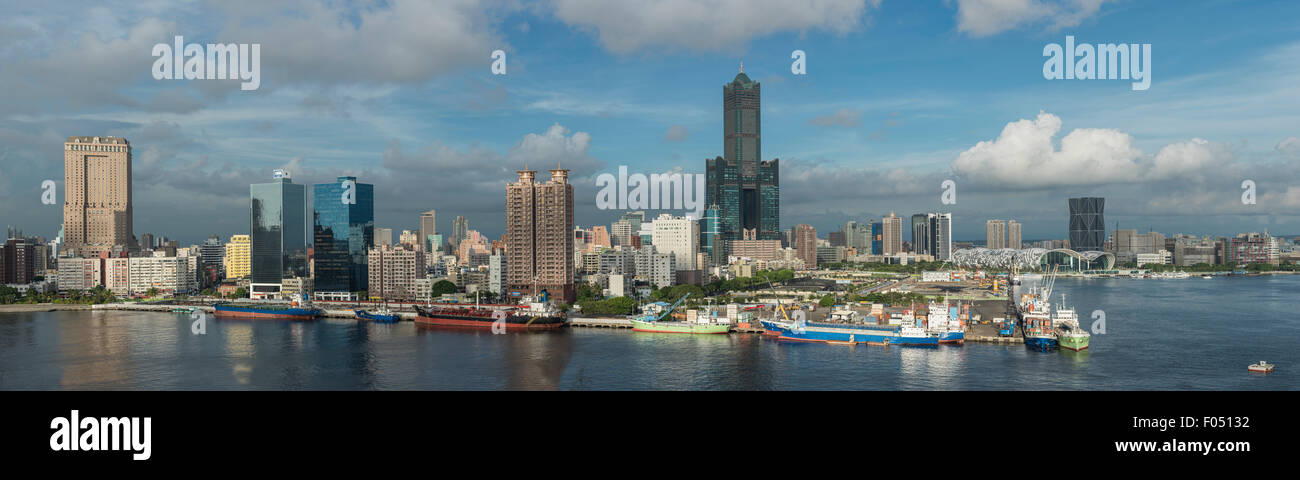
(1160, 334)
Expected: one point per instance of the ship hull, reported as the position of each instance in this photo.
(1040, 343)
(843, 334)
(956, 338)
(1076, 343)
(255, 313)
(484, 320)
(680, 327)
(377, 318)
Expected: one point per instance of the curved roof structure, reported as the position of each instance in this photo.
(1032, 258)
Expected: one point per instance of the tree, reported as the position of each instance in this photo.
(827, 301)
(240, 292)
(441, 288)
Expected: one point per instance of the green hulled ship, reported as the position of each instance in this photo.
(1069, 334)
(654, 323)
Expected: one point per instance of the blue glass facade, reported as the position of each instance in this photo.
(342, 235)
(877, 238)
(279, 230)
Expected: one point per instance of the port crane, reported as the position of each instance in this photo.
(666, 312)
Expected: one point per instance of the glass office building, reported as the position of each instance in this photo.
(278, 233)
(343, 231)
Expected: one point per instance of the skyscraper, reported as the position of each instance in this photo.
(1013, 234)
(428, 226)
(1087, 224)
(278, 234)
(459, 230)
(892, 234)
(941, 236)
(343, 232)
(921, 237)
(539, 236)
(995, 234)
(745, 188)
(711, 240)
(97, 206)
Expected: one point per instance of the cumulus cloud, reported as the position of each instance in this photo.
(403, 41)
(1290, 146)
(981, 18)
(1023, 156)
(705, 25)
(843, 117)
(676, 133)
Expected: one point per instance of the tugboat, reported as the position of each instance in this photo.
(383, 315)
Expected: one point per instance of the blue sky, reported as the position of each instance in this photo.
(898, 97)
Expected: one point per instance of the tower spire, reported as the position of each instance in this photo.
(742, 65)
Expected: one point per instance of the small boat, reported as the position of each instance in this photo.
(1207, 277)
(1261, 367)
(383, 315)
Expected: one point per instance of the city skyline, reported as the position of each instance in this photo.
(871, 128)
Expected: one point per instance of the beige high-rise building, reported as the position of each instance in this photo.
(428, 226)
(805, 242)
(1013, 234)
(539, 235)
(97, 195)
(394, 272)
(238, 260)
(891, 233)
(995, 234)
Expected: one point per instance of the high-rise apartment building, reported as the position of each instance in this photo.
(392, 272)
(805, 242)
(995, 234)
(343, 231)
(1013, 234)
(278, 234)
(238, 256)
(97, 206)
(539, 236)
(892, 234)
(459, 230)
(1087, 224)
(745, 188)
(383, 236)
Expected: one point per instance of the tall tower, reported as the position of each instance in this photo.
(995, 234)
(539, 236)
(97, 207)
(892, 234)
(745, 188)
(1087, 224)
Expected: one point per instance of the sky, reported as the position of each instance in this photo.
(897, 97)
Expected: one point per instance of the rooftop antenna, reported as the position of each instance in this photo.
(742, 65)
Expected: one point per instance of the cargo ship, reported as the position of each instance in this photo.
(943, 321)
(1068, 333)
(299, 309)
(654, 323)
(535, 315)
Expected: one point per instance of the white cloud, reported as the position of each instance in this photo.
(1023, 156)
(676, 133)
(981, 18)
(705, 25)
(1290, 146)
(844, 117)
